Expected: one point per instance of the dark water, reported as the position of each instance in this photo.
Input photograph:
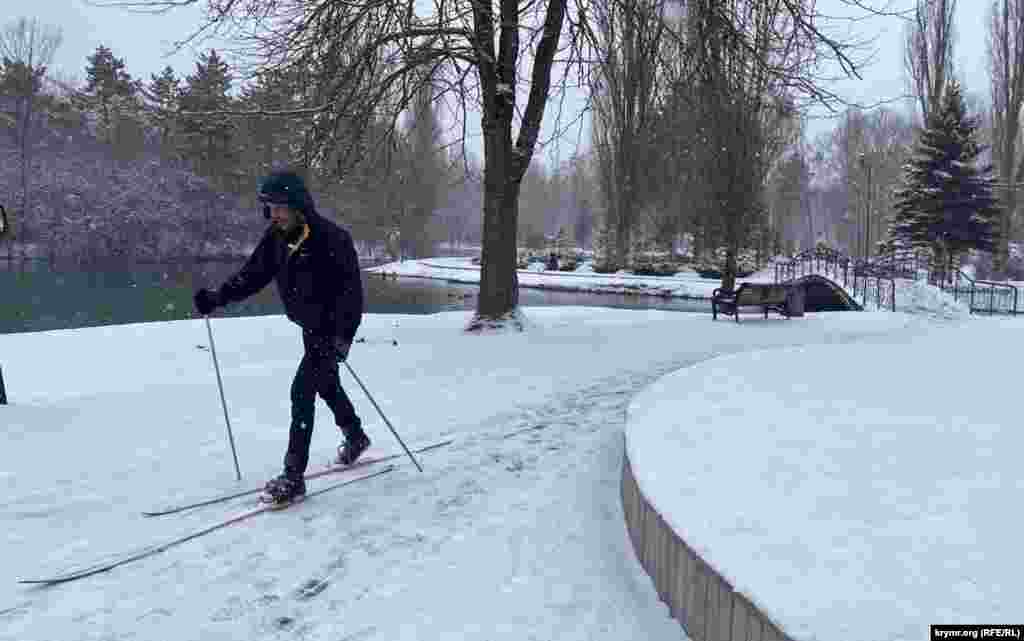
(37, 296)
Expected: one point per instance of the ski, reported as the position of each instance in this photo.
(135, 555)
(330, 469)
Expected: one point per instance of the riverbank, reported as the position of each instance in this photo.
(686, 285)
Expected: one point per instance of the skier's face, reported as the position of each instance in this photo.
(283, 217)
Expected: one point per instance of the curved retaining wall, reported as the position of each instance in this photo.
(698, 597)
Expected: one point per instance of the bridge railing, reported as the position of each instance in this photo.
(874, 283)
(874, 279)
(865, 280)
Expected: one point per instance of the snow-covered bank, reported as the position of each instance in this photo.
(461, 270)
(913, 297)
(513, 532)
(851, 493)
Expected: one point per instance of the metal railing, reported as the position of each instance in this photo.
(982, 296)
(866, 280)
(874, 279)
(874, 283)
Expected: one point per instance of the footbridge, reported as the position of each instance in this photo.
(834, 281)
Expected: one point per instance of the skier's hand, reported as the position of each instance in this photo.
(206, 301)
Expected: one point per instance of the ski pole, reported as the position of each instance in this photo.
(220, 386)
(390, 426)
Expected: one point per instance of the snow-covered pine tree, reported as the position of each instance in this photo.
(207, 140)
(110, 93)
(946, 201)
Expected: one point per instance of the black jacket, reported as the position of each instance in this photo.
(319, 282)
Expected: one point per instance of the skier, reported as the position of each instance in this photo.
(317, 271)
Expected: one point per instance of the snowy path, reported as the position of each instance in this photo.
(405, 539)
(514, 532)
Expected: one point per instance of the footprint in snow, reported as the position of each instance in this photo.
(466, 491)
(282, 623)
(311, 588)
(365, 633)
(234, 609)
(267, 600)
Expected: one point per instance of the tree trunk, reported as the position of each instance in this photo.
(624, 228)
(499, 283)
(697, 253)
(729, 275)
(505, 163)
(1002, 253)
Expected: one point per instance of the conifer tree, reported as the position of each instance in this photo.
(266, 141)
(207, 138)
(110, 92)
(163, 95)
(946, 202)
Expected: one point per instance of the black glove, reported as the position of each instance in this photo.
(206, 301)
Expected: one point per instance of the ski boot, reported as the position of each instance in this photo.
(352, 449)
(283, 490)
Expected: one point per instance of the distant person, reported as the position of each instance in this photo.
(317, 271)
(552, 262)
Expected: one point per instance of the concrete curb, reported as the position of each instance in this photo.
(706, 606)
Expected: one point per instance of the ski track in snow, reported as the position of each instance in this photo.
(509, 495)
(398, 530)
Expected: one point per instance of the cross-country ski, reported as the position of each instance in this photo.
(135, 555)
(371, 457)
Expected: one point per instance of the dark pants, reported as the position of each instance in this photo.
(317, 374)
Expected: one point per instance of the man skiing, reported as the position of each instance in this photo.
(317, 271)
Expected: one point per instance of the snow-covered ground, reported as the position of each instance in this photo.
(852, 493)
(513, 532)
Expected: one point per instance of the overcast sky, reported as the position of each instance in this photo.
(144, 40)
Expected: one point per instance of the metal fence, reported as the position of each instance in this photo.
(868, 281)
(981, 296)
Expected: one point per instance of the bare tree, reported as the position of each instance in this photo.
(629, 40)
(1006, 66)
(366, 54)
(425, 170)
(928, 52)
(786, 196)
(369, 57)
(743, 105)
(26, 49)
(864, 156)
(535, 215)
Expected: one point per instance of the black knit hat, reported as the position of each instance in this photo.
(285, 188)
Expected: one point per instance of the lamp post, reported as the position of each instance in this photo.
(862, 157)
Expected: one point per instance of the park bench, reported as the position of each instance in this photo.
(765, 296)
